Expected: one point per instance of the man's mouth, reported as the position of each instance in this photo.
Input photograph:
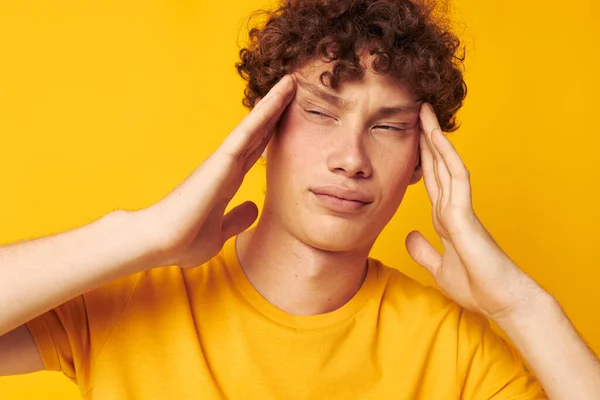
(341, 199)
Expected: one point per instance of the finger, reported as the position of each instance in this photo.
(238, 220)
(429, 177)
(254, 152)
(426, 125)
(443, 174)
(256, 128)
(423, 253)
(429, 124)
(461, 185)
(428, 119)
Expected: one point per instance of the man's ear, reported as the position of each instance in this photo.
(417, 172)
(263, 156)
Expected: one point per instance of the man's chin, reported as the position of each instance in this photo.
(336, 239)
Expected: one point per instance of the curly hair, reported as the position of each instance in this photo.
(409, 39)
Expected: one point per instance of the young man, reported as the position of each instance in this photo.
(181, 301)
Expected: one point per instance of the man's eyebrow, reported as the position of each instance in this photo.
(341, 103)
(317, 91)
(404, 109)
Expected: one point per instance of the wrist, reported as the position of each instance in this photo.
(535, 304)
(140, 251)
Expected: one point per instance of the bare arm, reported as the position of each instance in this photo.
(186, 228)
(19, 353)
(475, 272)
(38, 275)
(41, 274)
(556, 353)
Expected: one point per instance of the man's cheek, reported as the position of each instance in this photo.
(290, 122)
(302, 134)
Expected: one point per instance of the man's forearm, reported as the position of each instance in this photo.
(564, 365)
(40, 274)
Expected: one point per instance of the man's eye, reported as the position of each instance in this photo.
(318, 114)
(389, 128)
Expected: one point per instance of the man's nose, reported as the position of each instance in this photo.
(348, 153)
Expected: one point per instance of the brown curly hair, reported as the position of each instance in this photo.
(410, 39)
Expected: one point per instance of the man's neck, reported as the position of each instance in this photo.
(295, 277)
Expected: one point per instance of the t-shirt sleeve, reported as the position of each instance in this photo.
(70, 336)
(492, 368)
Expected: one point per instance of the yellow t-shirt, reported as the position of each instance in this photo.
(206, 333)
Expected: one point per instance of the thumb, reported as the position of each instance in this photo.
(238, 220)
(423, 252)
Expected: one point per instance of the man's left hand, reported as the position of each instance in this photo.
(473, 270)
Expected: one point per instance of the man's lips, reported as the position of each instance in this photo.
(341, 199)
(343, 193)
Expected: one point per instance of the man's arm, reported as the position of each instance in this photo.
(476, 273)
(19, 353)
(558, 356)
(186, 228)
(41, 274)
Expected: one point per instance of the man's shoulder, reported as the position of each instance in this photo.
(412, 302)
(173, 280)
(407, 295)
(400, 284)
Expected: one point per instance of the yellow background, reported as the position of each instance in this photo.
(109, 104)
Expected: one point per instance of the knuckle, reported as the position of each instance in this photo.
(464, 175)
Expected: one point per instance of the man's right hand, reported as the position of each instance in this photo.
(188, 227)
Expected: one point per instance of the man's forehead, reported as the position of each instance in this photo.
(402, 99)
(323, 91)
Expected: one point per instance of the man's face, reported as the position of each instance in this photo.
(340, 162)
